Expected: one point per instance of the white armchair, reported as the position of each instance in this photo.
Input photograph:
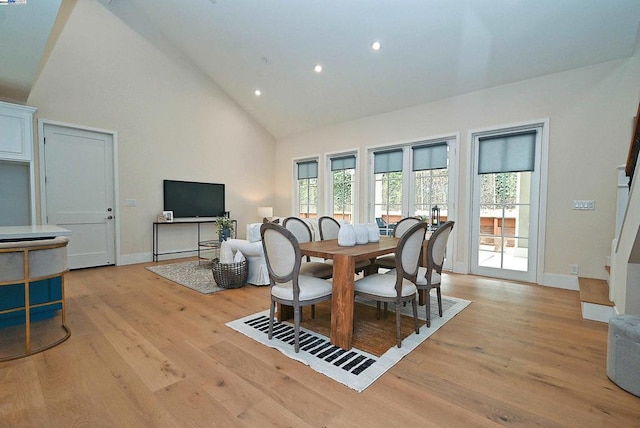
(256, 263)
(253, 251)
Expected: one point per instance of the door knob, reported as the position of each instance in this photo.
(110, 217)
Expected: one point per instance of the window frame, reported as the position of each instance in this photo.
(329, 182)
(295, 209)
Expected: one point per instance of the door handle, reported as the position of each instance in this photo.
(110, 217)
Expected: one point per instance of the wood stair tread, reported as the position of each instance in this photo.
(594, 291)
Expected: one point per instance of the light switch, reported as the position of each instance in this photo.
(582, 204)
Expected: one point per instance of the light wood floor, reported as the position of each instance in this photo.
(146, 352)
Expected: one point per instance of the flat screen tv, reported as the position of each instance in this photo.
(192, 199)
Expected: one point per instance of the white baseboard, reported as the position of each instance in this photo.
(591, 311)
(461, 267)
(567, 282)
(132, 259)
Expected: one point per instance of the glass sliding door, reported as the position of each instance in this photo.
(505, 204)
(504, 221)
(430, 166)
(411, 180)
(343, 187)
(388, 188)
(307, 189)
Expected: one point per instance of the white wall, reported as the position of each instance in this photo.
(590, 112)
(172, 122)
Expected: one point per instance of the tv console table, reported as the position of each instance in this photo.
(198, 222)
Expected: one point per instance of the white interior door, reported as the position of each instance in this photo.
(79, 192)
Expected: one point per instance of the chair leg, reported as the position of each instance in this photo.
(386, 308)
(398, 324)
(414, 303)
(439, 301)
(378, 310)
(427, 302)
(313, 312)
(272, 313)
(296, 328)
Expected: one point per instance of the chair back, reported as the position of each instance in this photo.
(403, 225)
(281, 252)
(436, 249)
(329, 228)
(299, 228)
(408, 253)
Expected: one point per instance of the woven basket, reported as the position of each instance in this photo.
(229, 275)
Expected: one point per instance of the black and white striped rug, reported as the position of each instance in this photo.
(354, 368)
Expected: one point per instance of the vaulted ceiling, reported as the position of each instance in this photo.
(430, 49)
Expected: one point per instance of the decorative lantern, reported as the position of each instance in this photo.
(435, 217)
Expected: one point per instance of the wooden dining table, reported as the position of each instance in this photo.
(344, 262)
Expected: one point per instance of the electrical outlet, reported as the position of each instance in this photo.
(130, 203)
(574, 269)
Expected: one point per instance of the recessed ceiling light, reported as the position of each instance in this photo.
(317, 68)
(376, 46)
(258, 92)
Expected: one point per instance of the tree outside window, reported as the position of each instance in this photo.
(308, 197)
(343, 198)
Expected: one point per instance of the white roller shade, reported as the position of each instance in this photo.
(507, 153)
(343, 162)
(307, 169)
(387, 161)
(432, 156)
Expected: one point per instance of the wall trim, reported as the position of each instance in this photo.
(133, 259)
(568, 282)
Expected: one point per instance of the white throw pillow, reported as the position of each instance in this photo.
(238, 257)
(253, 232)
(226, 253)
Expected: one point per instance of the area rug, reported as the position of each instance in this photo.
(195, 275)
(355, 368)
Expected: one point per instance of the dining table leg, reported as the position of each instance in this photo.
(284, 312)
(342, 301)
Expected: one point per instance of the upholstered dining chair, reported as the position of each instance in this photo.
(401, 287)
(288, 287)
(302, 232)
(329, 227)
(388, 261)
(429, 277)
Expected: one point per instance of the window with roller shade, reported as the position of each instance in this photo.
(307, 183)
(388, 188)
(342, 186)
(430, 166)
(506, 203)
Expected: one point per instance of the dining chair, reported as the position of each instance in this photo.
(302, 232)
(329, 227)
(429, 277)
(288, 287)
(401, 287)
(388, 261)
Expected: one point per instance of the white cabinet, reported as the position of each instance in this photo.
(17, 181)
(16, 132)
